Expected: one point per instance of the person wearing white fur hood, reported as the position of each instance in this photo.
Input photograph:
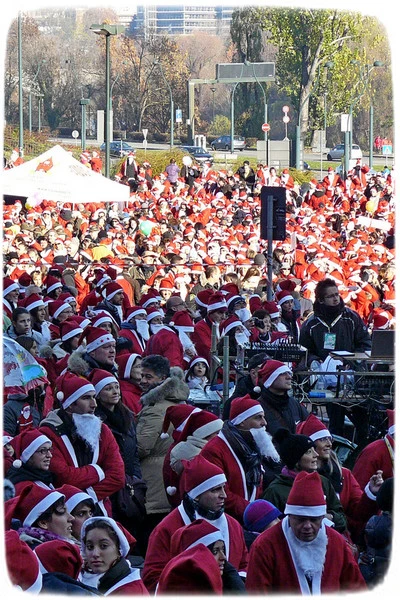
(162, 386)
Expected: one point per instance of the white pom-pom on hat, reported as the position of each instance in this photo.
(171, 490)
(164, 436)
(257, 389)
(17, 463)
(60, 396)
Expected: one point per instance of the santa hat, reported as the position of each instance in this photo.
(291, 446)
(32, 502)
(176, 416)
(125, 362)
(95, 338)
(230, 288)
(73, 496)
(24, 280)
(148, 299)
(6, 438)
(83, 322)
(232, 299)
(134, 311)
(194, 571)
(59, 556)
(216, 302)
(313, 428)
(153, 311)
(25, 445)
(272, 309)
(198, 359)
(282, 297)
(306, 497)
(69, 329)
(259, 514)
(102, 316)
(270, 371)
(201, 424)
(101, 279)
(111, 289)
(197, 532)
(255, 303)
(230, 323)
(166, 284)
(57, 307)
(71, 387)
(100, 378)
(22, 564)
(124, 537)
(9, 286)
(67, 297)
(288, 285)
(203, 297)
(199, 476)
(33, 301)
(381, 319)
(52, 283)
(391, 425)
(243, 408)
(182, 321)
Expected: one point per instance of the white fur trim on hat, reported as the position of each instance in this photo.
(208, 428)
(112, 294)
(100, 341)
(10, 288)
(237, 323)
(54, 286)
(206, 485)
(73, 502)
(322, 433)
(305, 511)
(216, 306)
(283, 369)
(61, 309)
(33, 446)
(123, 542)
(186, 329)
(253, 410)
(35, 304)
(102, 384)
(285, 299)
(71, 334)
(208, 539)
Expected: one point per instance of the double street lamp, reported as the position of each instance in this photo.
(364, 74)
(30, 95)
(107, 31)
(171, 101)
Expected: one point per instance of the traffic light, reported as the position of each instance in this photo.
(278, 195)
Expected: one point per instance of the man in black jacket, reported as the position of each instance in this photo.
(333, 326)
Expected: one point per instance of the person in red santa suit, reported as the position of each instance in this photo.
(129, 169)
(377, 455)
(136, 329)
(95, 162)
(286, 180)
(358, 504)
(129, 376)
(330, 181)
(301, 554)
(203, 490)
(239, 449)
(217, 310)
(10, 296)
(85, 453)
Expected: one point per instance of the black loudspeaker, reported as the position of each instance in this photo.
(279, 212)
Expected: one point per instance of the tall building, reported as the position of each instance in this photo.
(178, 20)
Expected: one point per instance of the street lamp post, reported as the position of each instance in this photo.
(348, 135)
(171, 100)
(40, 96)
(213, 89)
(30, 95)
(20, 97)
(83, 102)
(107, 30)
(327, 65)
(233, 110)
(265, 109)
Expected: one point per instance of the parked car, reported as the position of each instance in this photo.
(337, 152)
(198, 153)
(224, 143)
(118, 148)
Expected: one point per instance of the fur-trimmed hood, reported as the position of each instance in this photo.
(83, 364)
(174, 389)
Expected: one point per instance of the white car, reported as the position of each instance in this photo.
(337, 153)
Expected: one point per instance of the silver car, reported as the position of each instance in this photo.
(337, 152)
(224, 143)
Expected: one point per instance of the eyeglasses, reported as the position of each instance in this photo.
(44, 451)
(337, 295)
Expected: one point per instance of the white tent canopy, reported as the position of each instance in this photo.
(66, 180)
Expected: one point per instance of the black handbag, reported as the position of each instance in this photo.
(131, 498)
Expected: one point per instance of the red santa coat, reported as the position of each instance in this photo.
(166, 342)
(104, 476)
(377, 455)
(90, 301)
(219, 452)
(358, 506)
(138, 345)
(130, 585)
(130, 395)
(201, 338)
(271, 568)
(159, 547)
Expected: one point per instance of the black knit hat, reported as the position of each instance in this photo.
(291, 446)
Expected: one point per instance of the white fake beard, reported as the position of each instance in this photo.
(143, 329)
(264, 443)
(244, 314)
(241, 339)
(281, 327)
(88, 428)
(156, 327)
(309, 556)
(185, 340)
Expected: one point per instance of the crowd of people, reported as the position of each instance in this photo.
(116, 481)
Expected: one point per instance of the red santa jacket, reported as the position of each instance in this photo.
(130, 585)
(358, 505)
(201, 338)
(166, 342)
(219, 452)
(159, 547)
(377, 455)
(138, 345)
(271, 567)
(101, 478)
(130, 395)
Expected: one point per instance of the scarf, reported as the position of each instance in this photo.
(117, 572)
(119, 419)
(328, 313)
(25, 473)
(192, 506)
(243, 445)
(37, 535)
